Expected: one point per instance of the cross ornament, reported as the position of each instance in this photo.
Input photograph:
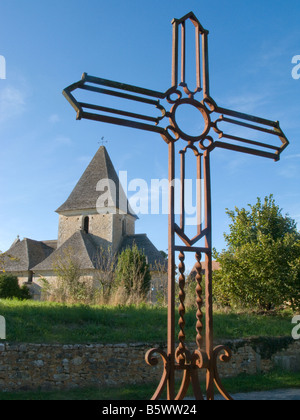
(220, 128)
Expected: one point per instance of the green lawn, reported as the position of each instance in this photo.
(243, 383)
(43, 322)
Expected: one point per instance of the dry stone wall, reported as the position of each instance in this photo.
(53, 366)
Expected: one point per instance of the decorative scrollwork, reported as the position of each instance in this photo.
(208, 139)
(226, 358)
(200, 359)
(210, 104)
(152, 360)
(190, 93)
(173, 91)
(175, 133)
(216, 128)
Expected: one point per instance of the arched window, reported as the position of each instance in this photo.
(86, 224)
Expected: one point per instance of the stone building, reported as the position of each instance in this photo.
(95, 216)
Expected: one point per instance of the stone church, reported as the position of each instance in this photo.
(85, 227)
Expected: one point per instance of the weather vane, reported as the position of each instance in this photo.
(103, 141)
(218, 131)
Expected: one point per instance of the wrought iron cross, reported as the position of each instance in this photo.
(214, 119)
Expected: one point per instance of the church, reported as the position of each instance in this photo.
(86, 225)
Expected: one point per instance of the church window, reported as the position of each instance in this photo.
(86, 224)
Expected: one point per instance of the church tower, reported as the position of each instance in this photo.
(97, 206)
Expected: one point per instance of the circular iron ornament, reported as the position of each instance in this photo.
(204, 146)
(202, 109)
(171, 92)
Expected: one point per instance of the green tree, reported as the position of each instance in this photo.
(133, 273)
(9, 288)
(261, 266)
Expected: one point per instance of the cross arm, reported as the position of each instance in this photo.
(121, 91)
(248, 134)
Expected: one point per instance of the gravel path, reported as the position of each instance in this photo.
(278, 395)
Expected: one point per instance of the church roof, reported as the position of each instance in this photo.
(83, 250)
(85, 195)
(144, 244)
(24, 255)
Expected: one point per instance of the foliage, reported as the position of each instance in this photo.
(261, 267)
(133, 273)
(9, 288)
(69, 286)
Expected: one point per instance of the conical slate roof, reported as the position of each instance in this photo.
(85, 194)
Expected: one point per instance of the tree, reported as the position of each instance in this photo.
(133, 273)
(106, 261)
(261, 267)
(9, 288)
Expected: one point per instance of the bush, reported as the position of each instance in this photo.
(9, 288)
(70, 286)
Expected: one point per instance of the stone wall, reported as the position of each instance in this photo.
(100, 225)
(46, 367)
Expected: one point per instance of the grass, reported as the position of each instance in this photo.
(243, 383)
(44, 322)
(47, 322)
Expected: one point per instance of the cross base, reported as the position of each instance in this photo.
(190, 364)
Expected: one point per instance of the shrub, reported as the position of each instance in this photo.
(9, 288)
(70, 286)
(133, 274)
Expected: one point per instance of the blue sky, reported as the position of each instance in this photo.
(48, 45)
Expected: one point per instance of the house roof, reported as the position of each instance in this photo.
(85, 195)
(24, 255)
(144, 244)
(82, 247)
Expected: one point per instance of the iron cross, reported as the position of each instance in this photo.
(218, 130)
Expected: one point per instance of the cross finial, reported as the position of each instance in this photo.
(103, 141)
